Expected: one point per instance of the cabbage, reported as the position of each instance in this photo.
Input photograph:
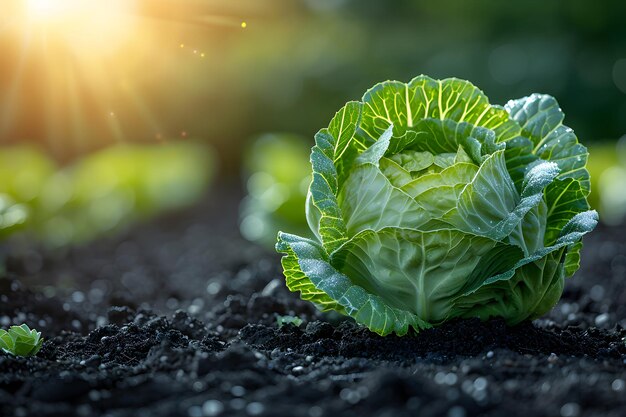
(428, 204)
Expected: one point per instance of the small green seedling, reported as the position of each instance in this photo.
(283, 320)
(20, 341)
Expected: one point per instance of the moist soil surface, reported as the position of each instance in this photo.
(178, 317)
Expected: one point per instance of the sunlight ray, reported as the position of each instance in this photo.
(79, 65)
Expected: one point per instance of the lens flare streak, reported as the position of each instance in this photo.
(68, 63)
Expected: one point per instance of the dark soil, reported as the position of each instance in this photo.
(178, 318)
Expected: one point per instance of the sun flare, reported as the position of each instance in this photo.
(75, 73)
(86, 25)
(43, 8)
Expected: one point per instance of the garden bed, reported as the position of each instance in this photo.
(178, 318)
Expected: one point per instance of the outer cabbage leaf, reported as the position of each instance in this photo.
(335, 149)
(491, 206)
(404, 105)
(574, 230)
(541, 120)
(566, 199)
(533, 285)
(297, 281)
(572, 259)
(531, 291)
(366, 308)
(530, 233)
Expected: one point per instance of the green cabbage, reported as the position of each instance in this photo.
(428, 203)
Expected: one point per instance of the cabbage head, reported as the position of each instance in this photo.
(428, 203)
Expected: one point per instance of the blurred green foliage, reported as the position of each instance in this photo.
(294, 64)
(573, 50)
(99, 193)
(12, 215)
(607, 166)
(277, 173)
(299, 60)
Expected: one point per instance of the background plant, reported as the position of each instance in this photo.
(100, 193)
(277, 174)
(20, 341)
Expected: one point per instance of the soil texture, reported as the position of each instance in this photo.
(178, 317)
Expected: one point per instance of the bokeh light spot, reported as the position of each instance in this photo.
(619, 74)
